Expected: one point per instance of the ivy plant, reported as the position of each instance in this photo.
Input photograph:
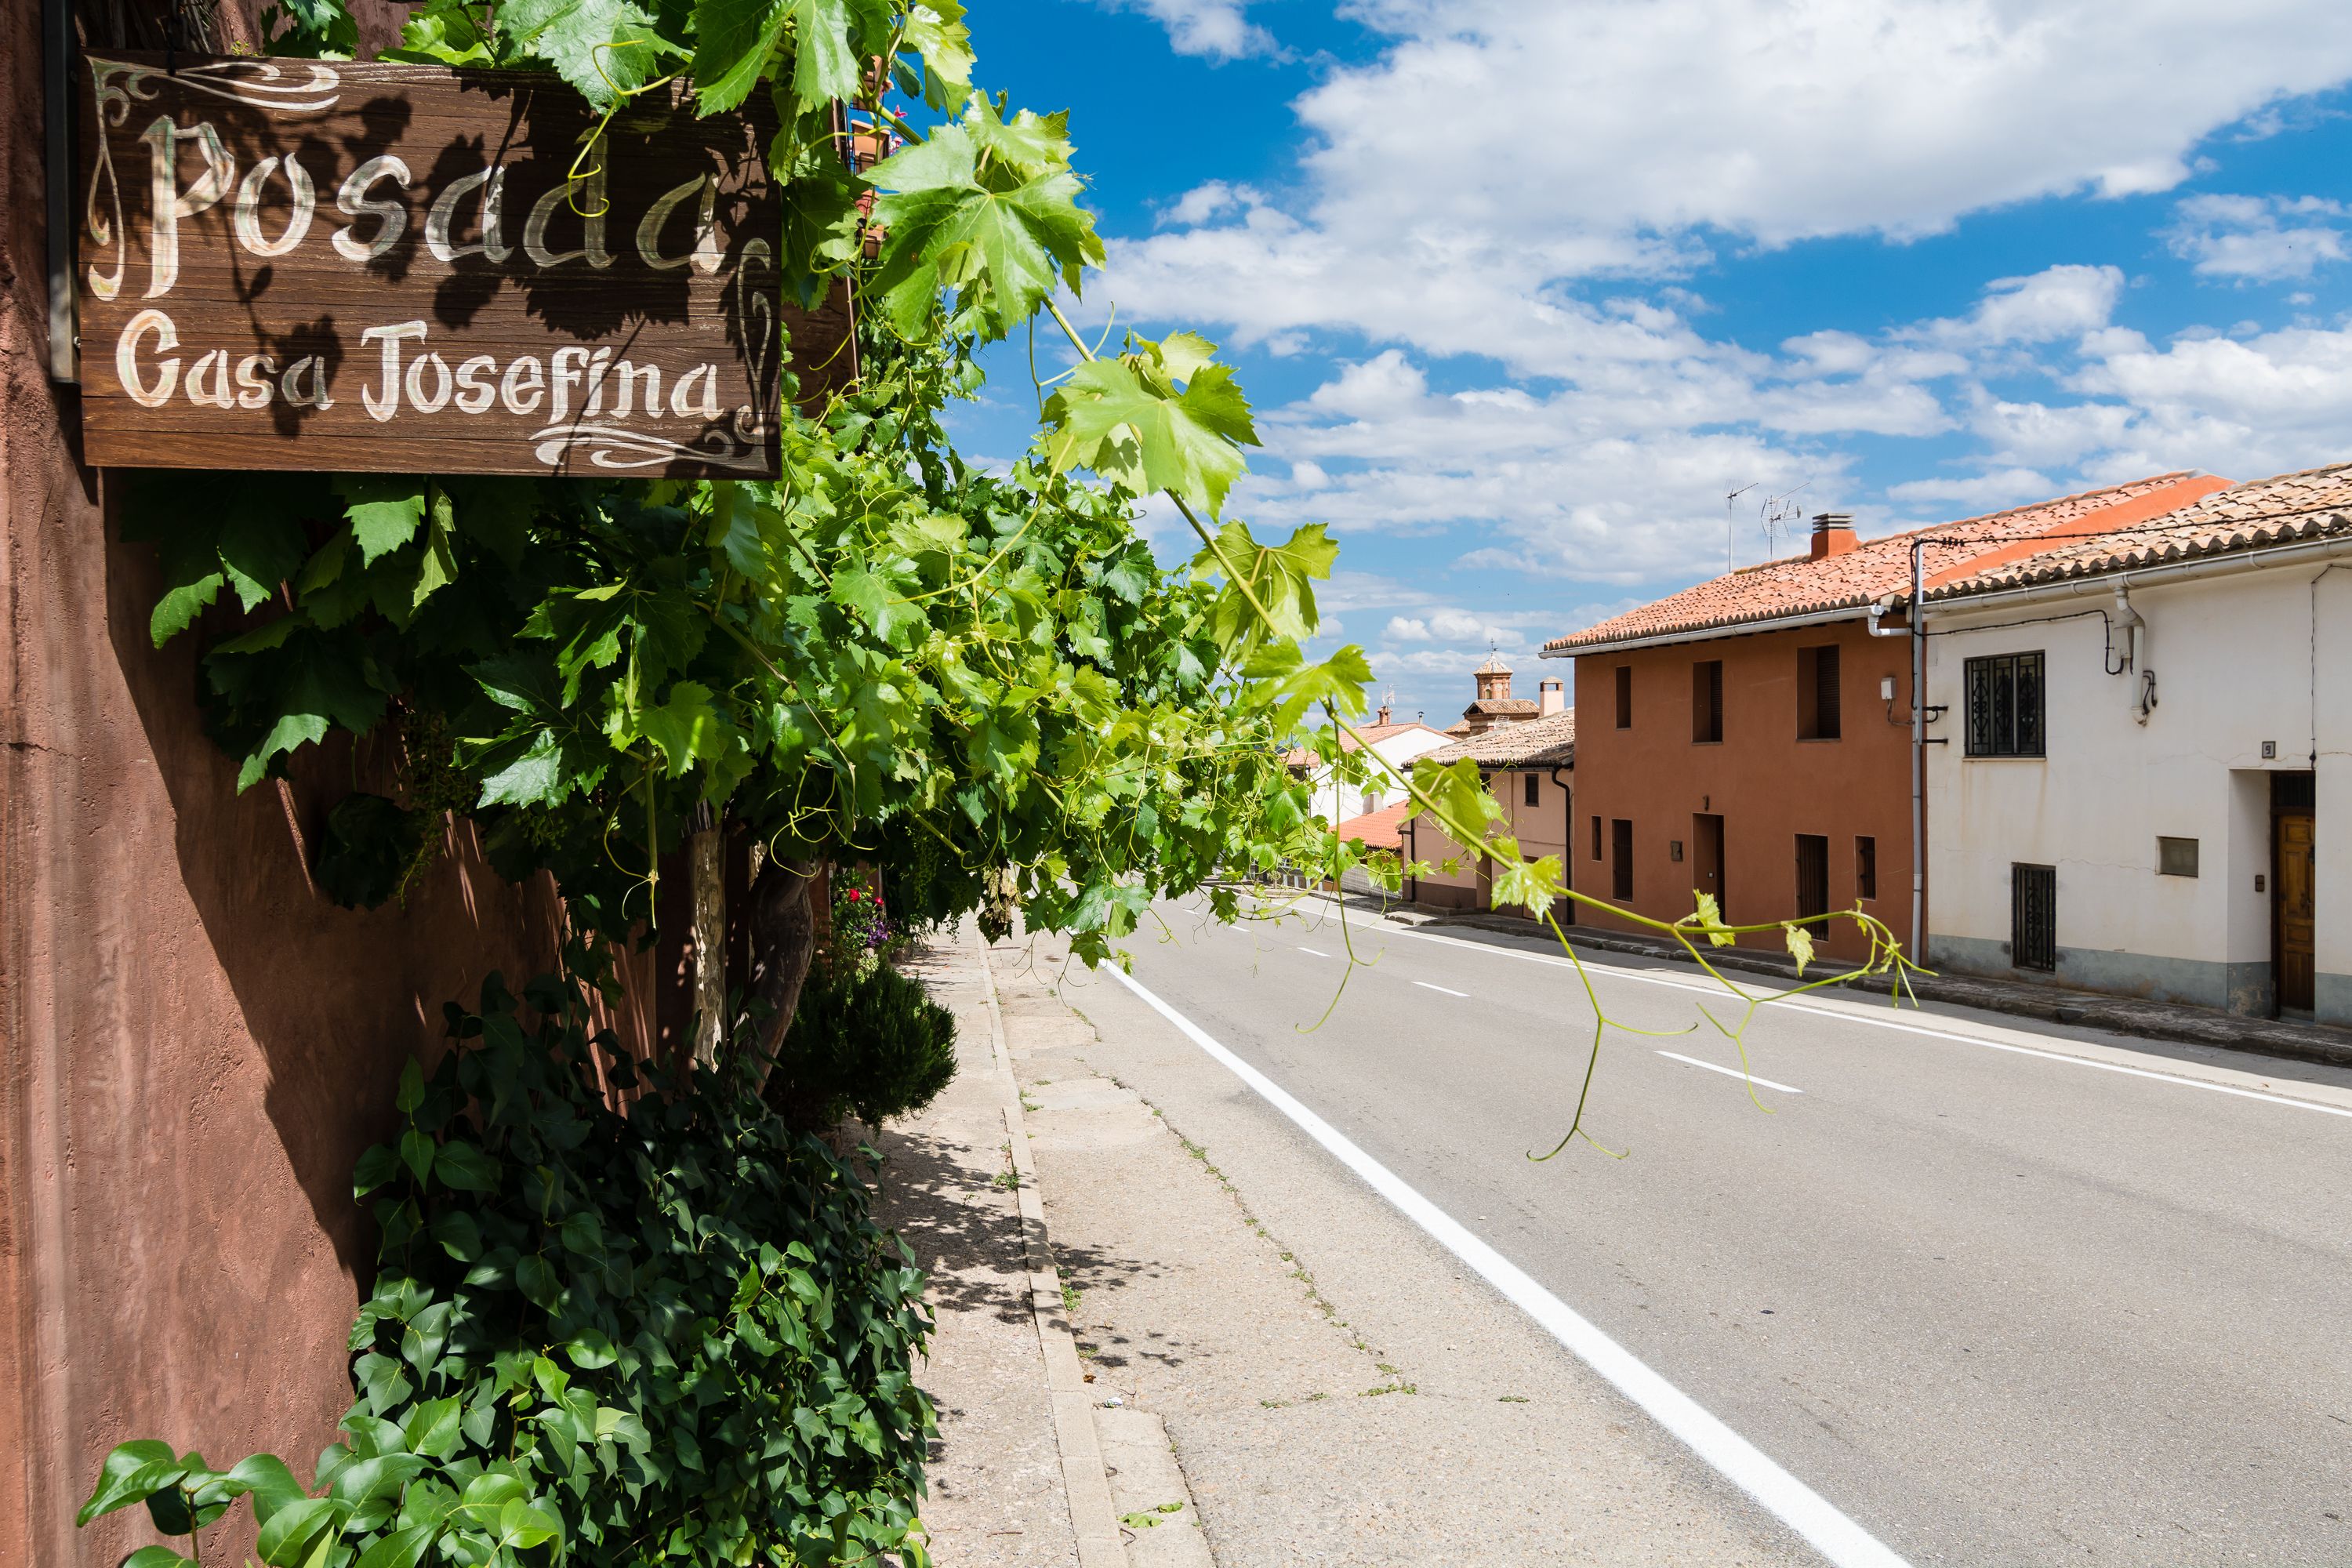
(669, 1334)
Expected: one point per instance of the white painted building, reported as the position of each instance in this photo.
(1336, 800)
(2144, 779)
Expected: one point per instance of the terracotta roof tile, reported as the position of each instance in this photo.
(2310, 504)
(1503, 707)
(1378, 830)
(1547, 741)
(1879, 567)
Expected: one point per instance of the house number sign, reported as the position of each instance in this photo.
(290, 264)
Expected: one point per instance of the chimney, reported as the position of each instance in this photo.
(1383, 716)
(1833, 534)
(1549, 697)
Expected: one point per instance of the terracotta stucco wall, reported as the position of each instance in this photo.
(193, 1045)
(1538, 827)
(1765, 783)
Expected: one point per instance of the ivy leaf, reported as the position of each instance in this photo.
(157, 1557)
(285, 1541)
(377, 1166)
(535, 1278)
(460, 1165)
(417, 1153)
(1801, 945)
(271, 1484)
(386, 511)
(1129, 421)
(431, 1428)
(130, 1474)
(1003, 237)
(589, 1349)
(402, 1548)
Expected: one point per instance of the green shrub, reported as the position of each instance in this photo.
(874, 1043)
(669, 1335)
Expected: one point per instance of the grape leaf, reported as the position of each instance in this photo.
(1127, 419)
(1003, 237)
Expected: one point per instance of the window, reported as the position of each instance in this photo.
(1866, 867)
(2176, 857)
(1817, 694)
(1707, 702)
(2004, 696)
(1532, 791)
(1814, 882)
(1624, 697)
(2033, 916)
(1620, 855)
(1596, 838)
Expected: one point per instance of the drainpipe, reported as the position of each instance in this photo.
(1918, 752)
(2142, 691)
(1568, 840)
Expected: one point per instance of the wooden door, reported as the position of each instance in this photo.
(1813, 880)
(1706, 860)
(2291, 907)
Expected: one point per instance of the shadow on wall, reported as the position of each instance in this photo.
(336, 1000)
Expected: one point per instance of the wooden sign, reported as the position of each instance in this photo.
(321, 265)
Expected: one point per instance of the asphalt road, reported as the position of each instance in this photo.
(1999, 1305)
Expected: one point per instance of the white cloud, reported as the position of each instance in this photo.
(1981, 492)
(2052, 305)
(1611, 138)
(2251, 240)
(1208, 201)
(1216, 29)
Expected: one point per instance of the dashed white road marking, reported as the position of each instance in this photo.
(1425, 985)
(1608, 971)
(1732, 1072)
(1803, 1509)
(1317, 952)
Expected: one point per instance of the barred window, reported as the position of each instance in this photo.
(2004, 695)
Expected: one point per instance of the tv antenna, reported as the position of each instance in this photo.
(1774, 513)
(1730, 530)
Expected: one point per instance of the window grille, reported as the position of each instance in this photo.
(2005, 705)
(2034, 917)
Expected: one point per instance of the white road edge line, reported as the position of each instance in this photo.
(1449, 990)
(1609, 972)
(1803, 1509)
(1732, 1072)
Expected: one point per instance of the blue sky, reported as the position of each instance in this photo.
(1521, 288)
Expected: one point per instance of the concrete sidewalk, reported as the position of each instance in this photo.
(1037, 1461)
(1336, 1390)
(1140, 1360)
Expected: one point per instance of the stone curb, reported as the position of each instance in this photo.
(2086, 1009)
(1094, 1519)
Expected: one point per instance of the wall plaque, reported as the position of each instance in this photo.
(323, 264)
